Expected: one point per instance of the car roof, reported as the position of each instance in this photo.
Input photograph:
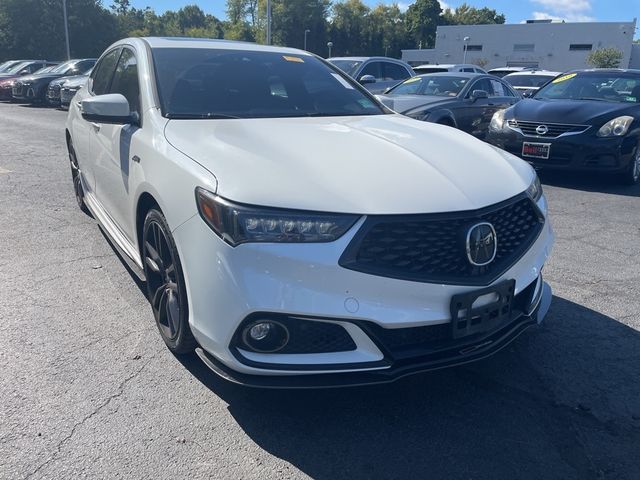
(607, 70)
(535, 72)
(454, 74)
(184, 42)
(509, 69)
(448, 65)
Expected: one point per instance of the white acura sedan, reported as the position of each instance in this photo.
(293, 231)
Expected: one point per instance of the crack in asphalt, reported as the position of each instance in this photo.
(94, 412)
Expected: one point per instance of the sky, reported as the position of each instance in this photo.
(516, 11)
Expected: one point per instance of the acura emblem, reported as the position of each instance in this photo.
(482, 244)
(542, 129)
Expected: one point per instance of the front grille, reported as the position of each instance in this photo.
(432, 248)
(17, 89)
(554, 129)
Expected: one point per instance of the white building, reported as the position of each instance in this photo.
(541, 44)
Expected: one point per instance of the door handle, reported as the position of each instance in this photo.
(96, 126)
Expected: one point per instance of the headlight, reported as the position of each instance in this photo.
(238, 224)
(497, 121)
(616, 127)
(535, 190)
(418, 114)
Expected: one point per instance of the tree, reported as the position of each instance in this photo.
(348, 30)
(35, 29)
(607, 57)
(468, 15)
(421, 20)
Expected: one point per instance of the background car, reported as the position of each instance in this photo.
(376, 74)
(504, 71)
(4, 66)
(463, 100)
(528, 82)
(54, 90)
(460, 67)
(33, 88)
(25, 68)
(70, 87)
(585, 120)
(7, 81)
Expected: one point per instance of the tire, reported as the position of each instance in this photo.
(631, 176)
(75, 178)
(166, 288)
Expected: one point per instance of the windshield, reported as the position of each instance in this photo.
(436, 85)
(600, 86)
(350, 67)
(44, 70)
(6, 66)
(16, 68)
(63, 67)
(531, 81)
(216, 83)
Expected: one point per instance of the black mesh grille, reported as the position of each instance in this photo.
(317, 337)
(431, 248)
(553, 129)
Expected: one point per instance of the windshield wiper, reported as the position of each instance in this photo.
(593, 98)
(198, 116)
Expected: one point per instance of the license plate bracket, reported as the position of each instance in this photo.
(467, 319)
(536, 150)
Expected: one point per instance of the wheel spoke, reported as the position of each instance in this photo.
(172, 311)
(154, 255)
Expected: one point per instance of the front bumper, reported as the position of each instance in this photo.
(29, 93)
(226, 285)
(579, 152)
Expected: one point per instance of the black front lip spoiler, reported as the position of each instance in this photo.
(371, 377)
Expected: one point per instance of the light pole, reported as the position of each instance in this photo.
(66, 28)
(386, 49)
(466, 40)
(329, 45)
(268, 22)
(305, 38)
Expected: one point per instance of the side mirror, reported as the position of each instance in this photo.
(24, 72)
(112, 108)
(366, 79)
(527, 94)
(478, 94)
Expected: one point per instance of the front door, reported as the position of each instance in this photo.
(112, 145)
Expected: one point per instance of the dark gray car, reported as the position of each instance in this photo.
(463, 100)
(376, 74)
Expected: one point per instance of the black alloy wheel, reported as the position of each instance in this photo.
(165, 284)
(75, 177)
(632, 175)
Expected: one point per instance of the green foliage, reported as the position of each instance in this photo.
(34, 28)
(422, 19)
(605, 58)
(468, 15)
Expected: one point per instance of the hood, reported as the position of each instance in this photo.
(8, 76)
(40, 78)
(580, 112)
(382, 164)
(76, 81)
(404, 103)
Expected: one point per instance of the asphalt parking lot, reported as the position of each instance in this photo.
(88, 390)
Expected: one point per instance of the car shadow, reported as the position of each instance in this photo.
(588, 182)
(561, 402)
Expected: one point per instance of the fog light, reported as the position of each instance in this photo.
(265, 336)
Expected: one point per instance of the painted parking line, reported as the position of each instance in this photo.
(4, 170)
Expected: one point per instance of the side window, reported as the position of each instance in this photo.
(499, 90)
(125, 79)
(393, 71)
(468, 69)
(483, 84)
(101, 75)
(373, 68)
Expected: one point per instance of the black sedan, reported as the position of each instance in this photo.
(33, 88)
(585, 120)
(463, 100)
